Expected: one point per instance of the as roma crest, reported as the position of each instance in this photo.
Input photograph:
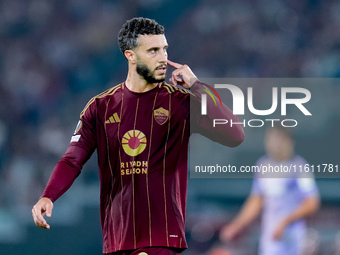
(161, 115)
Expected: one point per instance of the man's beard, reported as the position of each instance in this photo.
(146, 73)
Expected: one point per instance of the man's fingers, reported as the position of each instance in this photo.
(34, 217)
(38, 213)
(38, 218)
(173, 64)
(41, 222)
(49, 208)
(182, 75)
(176, 79)
(47, 226)
(173, 79)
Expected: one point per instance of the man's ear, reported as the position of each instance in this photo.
(130, 56)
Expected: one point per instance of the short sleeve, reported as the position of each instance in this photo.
(306, 182)
(256, 189)
(307, 186)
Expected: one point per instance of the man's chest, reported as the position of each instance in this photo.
(135, 122)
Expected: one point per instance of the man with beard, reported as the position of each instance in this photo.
(141, 131)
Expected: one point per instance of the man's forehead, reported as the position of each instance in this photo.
(150, 41)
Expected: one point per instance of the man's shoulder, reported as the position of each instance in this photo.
(297, 159)
(109, 92)
(263, 160)
(173, 90)
(102, 97)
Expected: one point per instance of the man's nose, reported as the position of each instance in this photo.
(163, 56)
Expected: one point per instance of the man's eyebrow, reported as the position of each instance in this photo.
(153, 48)
(157, 48)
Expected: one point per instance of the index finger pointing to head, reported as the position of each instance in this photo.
(173, 64)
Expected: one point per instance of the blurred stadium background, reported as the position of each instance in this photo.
(56, 55)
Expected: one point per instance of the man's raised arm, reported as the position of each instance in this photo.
(230, 135)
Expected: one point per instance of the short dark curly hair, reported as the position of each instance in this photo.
(128, 34)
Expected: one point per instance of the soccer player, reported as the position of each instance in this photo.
(285, 200)
(141, 131)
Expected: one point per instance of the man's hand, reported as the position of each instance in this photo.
(229, 232)
(182, 75)
(279, 230)
(44, 206)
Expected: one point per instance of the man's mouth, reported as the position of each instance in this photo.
(161, 69)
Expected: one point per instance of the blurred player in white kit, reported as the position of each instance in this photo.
(284, 200)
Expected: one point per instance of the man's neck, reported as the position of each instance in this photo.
(135, 83)
(284, 156)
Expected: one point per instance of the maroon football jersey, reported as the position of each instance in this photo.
(142, 144)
